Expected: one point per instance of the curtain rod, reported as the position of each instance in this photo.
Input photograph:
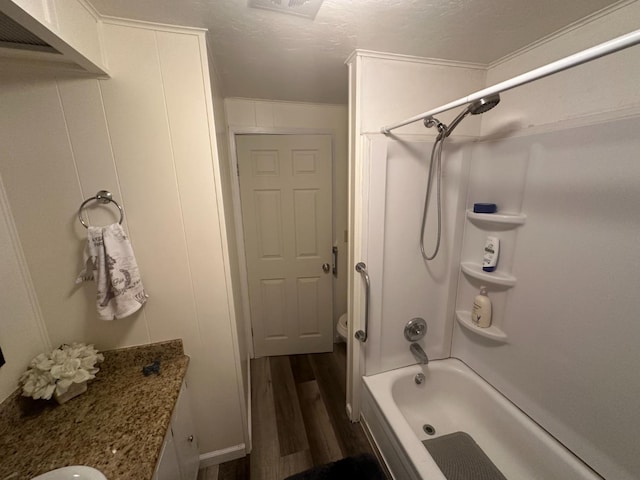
(619, 43)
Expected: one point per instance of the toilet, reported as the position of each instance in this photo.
(342, 327)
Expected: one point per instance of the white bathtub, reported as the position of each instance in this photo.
(453, 398)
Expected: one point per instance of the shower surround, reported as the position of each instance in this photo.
(561, 156)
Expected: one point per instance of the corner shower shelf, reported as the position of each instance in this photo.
(495, 278)
(492, 332)
(513, 219)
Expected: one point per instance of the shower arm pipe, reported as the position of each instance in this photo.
(619, 43)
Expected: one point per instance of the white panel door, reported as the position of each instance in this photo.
(285, 190)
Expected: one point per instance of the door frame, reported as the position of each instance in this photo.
(237, 207)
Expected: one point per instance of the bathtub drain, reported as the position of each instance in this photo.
(428, 429)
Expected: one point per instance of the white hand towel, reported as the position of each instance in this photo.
(109, 260)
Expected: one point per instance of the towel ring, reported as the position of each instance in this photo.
(103, 196)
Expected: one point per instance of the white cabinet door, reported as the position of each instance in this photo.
(167, 468)
(179, 459)
(184, 437)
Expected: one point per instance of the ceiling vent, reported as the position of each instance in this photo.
(300, 8)
(14, 35)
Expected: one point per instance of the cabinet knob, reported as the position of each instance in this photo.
(190, 438)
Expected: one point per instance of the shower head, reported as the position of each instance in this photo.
(474, 108)
(484, 104)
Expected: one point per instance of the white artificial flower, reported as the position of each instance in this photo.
(58, 370)
(59, 356)
(38, 384)
(66, 369)
(42, 362)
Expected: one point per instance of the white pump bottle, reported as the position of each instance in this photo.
(481, 313)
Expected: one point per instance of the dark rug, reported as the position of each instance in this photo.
(461, 458)
(361, 467)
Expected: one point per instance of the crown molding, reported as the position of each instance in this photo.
(562, 32)
(414, 59)
(126, 22)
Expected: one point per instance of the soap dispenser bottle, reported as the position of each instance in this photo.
(481, 313)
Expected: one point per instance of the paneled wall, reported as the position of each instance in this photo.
(145, 135)
(225, 198)
(22, 334)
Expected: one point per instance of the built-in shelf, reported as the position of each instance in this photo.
(513, 219)
(496, 278)
(492, 332)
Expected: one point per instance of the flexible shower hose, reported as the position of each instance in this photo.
(436, 161)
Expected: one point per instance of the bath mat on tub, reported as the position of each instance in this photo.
(460, 458)
(361, 467)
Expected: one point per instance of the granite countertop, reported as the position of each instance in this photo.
(117, 426)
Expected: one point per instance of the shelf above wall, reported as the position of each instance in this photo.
(67, 35)
(492, 332)
(495, 278)
(512, 219)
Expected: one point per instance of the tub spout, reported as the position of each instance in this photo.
(419, 353)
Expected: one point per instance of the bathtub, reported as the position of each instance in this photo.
(454, 398)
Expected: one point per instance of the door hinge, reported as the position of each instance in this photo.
(238, 169)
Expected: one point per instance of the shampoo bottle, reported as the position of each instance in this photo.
(491, 252)
(481, 314)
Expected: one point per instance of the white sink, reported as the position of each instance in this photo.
(75, 472)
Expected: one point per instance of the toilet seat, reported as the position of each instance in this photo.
(342, 327)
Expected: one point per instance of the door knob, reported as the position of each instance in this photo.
(326, 267)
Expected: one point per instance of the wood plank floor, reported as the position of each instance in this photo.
(299, 418)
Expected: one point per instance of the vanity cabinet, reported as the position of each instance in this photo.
(179, 457)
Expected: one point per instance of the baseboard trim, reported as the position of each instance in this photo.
(220, 456)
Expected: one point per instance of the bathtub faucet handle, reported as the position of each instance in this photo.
(415, 329)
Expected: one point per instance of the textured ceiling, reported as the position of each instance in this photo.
(269, 55)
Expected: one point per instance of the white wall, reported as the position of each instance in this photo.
(225, 198)
(389, 88)
(145, 135)
(22, 334)
(405, 286)
(395, 87)
(263, 116)
(564, 152)
(594, 88)
(571, 356)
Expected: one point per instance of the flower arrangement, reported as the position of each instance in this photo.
(55, 372)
